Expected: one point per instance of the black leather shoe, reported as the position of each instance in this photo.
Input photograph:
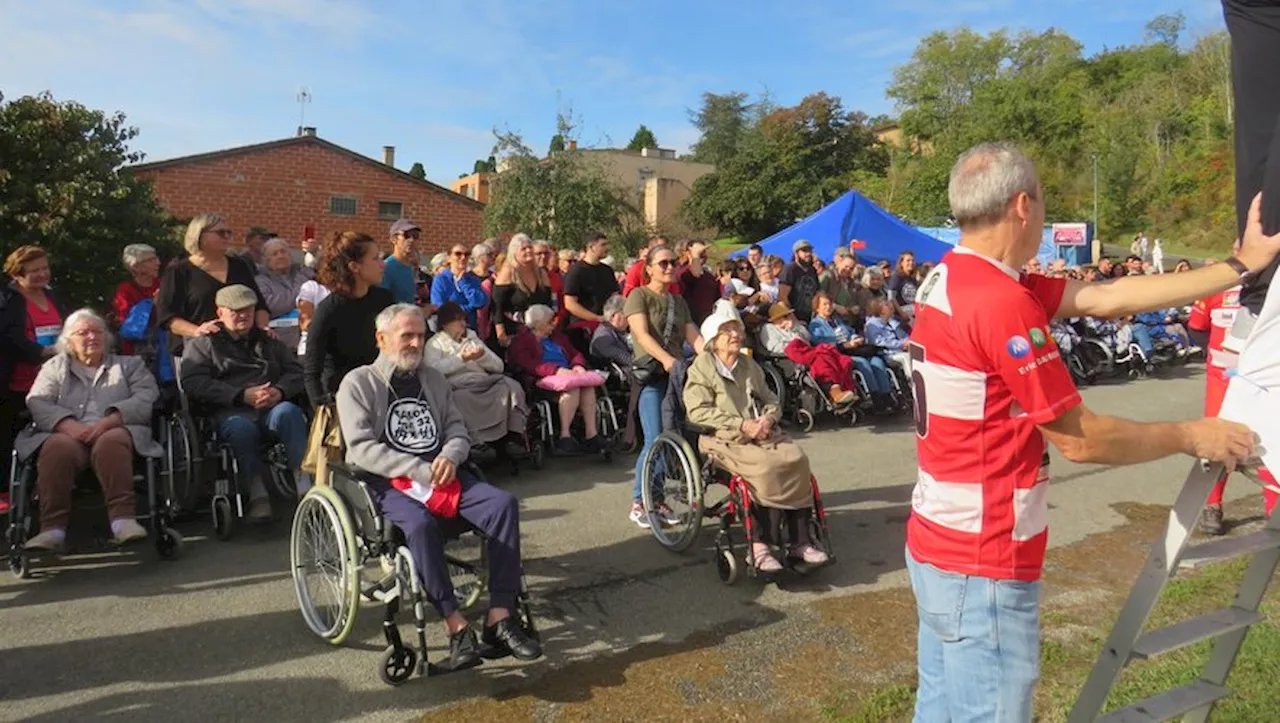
(464, 651)
(507, 637)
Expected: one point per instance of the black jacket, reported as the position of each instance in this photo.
(14, 344)
(215, 370)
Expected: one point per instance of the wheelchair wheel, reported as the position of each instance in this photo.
(774, 381)
(20, 565)
(397, 665)
(537, 453)
(168, 543)
(670, 474)
(224, 518)
(804, 420)
(727, 566)
(179, 475)
(326, 566)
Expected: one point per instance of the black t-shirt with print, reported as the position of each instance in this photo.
(803, 281)
(412, 426)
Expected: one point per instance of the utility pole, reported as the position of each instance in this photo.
(1095, 194)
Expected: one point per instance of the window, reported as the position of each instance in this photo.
(389, 210)
(342, 206)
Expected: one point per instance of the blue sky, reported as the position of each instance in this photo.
(434, 78)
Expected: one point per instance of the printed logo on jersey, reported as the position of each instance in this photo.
(1037, 337)
(1018, 346)
(1231, 297)
(411, 427)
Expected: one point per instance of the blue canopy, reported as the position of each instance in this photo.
(854, 216)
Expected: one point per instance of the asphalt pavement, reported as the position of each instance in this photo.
(216, 635)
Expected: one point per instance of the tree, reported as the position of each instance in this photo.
(418, 171)
(557, 144)
(643, 139)
(786, 166)
(559, 198)
(1166, 29)
(63, 186)
(723, 122)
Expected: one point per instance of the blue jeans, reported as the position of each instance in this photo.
(1142, 336)
(873, 369)
(285, 422)
(978, 650)
(649, 408)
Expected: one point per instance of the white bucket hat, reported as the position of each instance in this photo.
(723, 313)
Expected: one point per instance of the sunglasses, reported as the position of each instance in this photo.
(665, 264)
(744, 268)
(222, 233)
(415, 235)
(459, 254)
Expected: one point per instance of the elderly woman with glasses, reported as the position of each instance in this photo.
(143, 265)
(492, 404)
(184, 304)
(521, 282)
(280, 280)
(726, 391)
(90, 408)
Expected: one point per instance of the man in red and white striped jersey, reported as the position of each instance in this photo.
(990, 389)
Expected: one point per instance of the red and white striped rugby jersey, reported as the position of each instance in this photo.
(1215, 315)
(985, 372)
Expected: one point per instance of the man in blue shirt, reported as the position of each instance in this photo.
(400, 276)
(455, 283)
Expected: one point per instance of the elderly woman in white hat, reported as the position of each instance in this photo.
(726, 391)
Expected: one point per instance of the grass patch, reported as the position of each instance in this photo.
(1073, 637)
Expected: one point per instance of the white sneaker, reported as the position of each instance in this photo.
(127, 530)
(51, 540)
(639, 516)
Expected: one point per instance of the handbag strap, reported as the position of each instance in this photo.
(669, 325)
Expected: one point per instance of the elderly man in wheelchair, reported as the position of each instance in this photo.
(246, 379)
(407, 440)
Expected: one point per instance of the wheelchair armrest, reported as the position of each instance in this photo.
(344, 469)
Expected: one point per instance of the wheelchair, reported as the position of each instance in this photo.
(802, 398)
(673, 465)
(337, 530)
(544, 422)
(155, 509)
(613, 401)
(196, 460)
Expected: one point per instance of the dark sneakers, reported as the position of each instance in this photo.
(464, 650)
(507, 637)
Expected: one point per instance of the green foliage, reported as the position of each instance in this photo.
(62, 187)
(557, 144)
(723, 121)
(1156, 116)
(784, 166)
(559, 198)
(644, 138)
(418, 171)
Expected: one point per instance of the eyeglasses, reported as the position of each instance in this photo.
(413, 235)
(665, 264)
(222, 233)
(460, 254)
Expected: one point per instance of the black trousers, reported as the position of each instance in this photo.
(1254, 26)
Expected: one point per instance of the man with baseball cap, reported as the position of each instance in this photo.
(400, 276)
(245, 378)
(799, 280)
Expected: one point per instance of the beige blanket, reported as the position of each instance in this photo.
(491, 405)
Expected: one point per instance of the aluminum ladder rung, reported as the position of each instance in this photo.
(1210, 625)
(1228, 548)
(1169, 705)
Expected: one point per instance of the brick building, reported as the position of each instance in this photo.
(307, 183)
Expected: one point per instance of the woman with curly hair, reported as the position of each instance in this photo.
(340, 336)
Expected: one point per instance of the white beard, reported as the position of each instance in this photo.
(408, 361)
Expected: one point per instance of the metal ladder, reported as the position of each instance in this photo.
(1228, 625)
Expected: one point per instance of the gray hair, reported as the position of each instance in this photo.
(196, 229)
(538, 314)
(872, 271)
(75, 318)
(388, 316)
(613, 305)
(481, 249)
(985, 178)
(136, 254)
(272, 243)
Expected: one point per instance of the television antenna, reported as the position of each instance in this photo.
(304, 97)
